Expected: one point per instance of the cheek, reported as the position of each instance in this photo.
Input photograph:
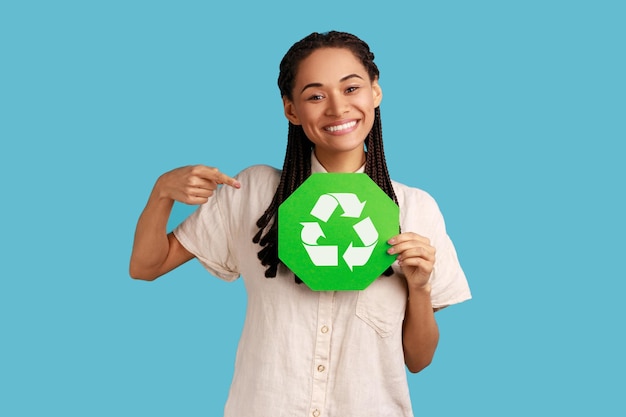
(308, 117)
(309, 131)
(368, 102)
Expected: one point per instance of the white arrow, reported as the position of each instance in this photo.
(366, 231)
(350, 204)
(324, 207)
(323, 255)
(356, 256)
(311, 232)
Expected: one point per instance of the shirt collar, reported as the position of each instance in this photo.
(317, 167)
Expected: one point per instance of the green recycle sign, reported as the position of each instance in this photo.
(333, 231)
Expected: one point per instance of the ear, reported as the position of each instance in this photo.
(377, 93)
(290, 111)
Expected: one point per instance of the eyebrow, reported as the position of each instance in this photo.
(347, 77)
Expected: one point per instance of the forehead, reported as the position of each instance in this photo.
(327, 65)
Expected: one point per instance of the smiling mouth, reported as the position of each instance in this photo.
(341, 127)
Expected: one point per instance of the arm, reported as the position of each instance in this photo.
(420, 334)
(156, 252)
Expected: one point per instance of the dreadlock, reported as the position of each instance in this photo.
(296, 169)
(297, 164)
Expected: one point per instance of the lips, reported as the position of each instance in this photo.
(341, 127)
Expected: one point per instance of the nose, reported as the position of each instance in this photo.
(337, 106)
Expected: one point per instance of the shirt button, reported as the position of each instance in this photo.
(324, 329)
(316, 413)
(321, 368)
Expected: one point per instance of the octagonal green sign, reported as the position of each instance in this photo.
(333, 231)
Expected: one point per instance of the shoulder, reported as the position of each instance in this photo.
(260, 169)
(259, 177)
(419, 212)
(259, 173)
(258, 185)
(414, 197)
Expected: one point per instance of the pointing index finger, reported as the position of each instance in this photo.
(225, 179)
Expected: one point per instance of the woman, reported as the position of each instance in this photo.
(303, 352)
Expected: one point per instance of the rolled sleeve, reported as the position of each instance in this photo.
(205, 234)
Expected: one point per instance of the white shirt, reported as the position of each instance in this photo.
(316, 354)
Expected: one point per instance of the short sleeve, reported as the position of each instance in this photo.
(420, 214)
(448, 282)
(206, 234)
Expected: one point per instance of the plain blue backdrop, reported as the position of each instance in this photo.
(510, 113)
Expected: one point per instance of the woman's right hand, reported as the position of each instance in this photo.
(192, 184)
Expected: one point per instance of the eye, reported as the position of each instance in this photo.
(351, 89)
(315, 97)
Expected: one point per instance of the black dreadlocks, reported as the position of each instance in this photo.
(297, 164)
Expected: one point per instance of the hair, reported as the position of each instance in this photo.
(297, 164)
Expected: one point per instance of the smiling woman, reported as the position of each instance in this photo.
(334, 102)
(305, 352)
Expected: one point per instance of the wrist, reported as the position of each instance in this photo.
(159, 191)
(420, 290)
(159, 201)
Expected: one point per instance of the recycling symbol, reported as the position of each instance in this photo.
(325, 206)
(333, 231)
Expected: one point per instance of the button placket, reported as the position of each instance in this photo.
(322, 352)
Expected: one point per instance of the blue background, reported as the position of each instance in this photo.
(510, 113)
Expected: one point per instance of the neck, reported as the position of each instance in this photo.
(342, 162)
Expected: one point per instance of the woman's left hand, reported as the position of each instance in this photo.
(416, 257)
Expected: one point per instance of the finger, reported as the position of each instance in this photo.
(214, 175)
(408, 236)
(192, 199)
(411, 246)
(417, 253)
(201, 183)
(226, 180)
(200, 192)
(193, 195)
(419, 250)
(419, 263)
(414, 260)
(195, 201)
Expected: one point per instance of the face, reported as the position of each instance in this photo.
(334, 102)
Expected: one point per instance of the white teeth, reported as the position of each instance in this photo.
(341, 127)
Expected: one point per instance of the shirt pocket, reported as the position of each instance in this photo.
(382, 305)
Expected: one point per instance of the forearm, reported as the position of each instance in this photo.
(154, 251)
(420, 333)
(151, 245)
